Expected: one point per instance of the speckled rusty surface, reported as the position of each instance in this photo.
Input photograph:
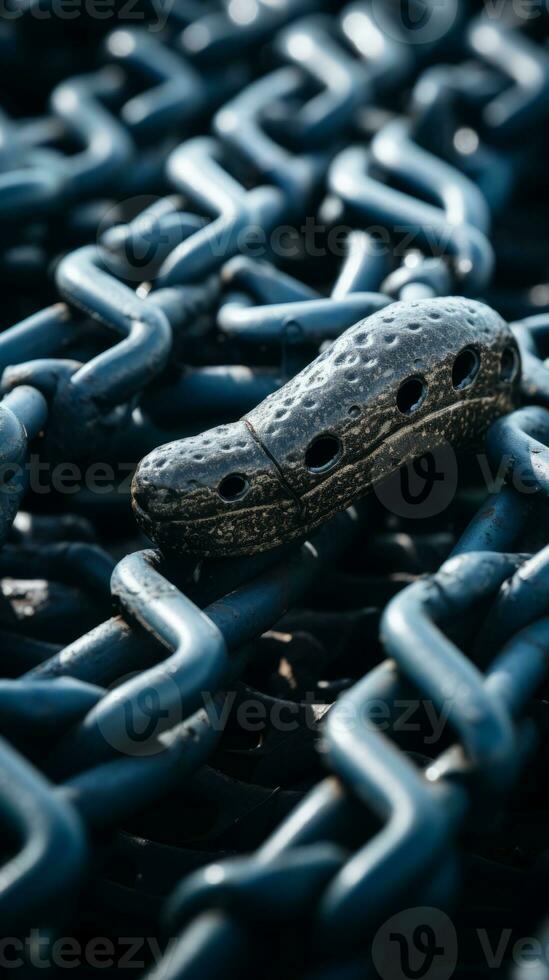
(391, 388)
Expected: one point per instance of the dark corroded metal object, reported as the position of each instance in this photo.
(396, 385)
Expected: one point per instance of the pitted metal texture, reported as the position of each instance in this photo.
(283, 264)
(401, 382)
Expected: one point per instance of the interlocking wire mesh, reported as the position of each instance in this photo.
(291, 722)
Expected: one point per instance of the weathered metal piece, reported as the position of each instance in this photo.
(297, 762)
(396, 385)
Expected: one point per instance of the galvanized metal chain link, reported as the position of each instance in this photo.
(306, 734)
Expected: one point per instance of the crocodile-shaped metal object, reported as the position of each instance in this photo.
(396, 385)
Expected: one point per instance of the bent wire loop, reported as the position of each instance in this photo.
(83, 397)
(199, 662)
(181, 318)
(417, 828)
(456, 225)
(39, 881)
(292, 313)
